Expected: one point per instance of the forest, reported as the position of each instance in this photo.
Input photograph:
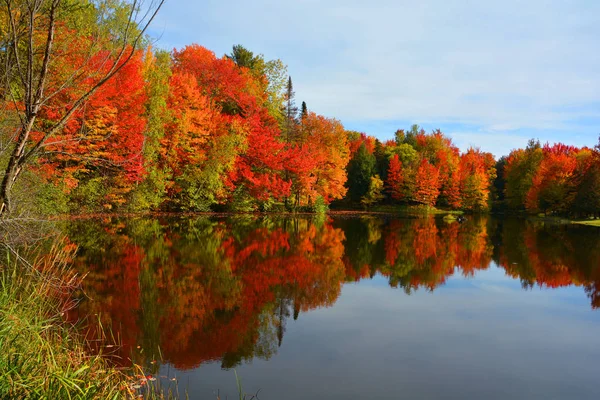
(96, 123)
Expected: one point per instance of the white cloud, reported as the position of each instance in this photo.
(506, 65)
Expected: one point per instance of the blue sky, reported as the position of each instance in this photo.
(488, 73)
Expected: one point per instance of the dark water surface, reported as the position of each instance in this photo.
(349, 308)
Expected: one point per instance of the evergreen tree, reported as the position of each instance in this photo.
(587, 199)
(291, 111)
(500, 181)
(304, 111)
(360, 170)
(245, 58)
(381, 159)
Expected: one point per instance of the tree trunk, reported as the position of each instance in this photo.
(13, 169)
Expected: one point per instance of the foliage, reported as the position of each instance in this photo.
(375, 192)
(395, 178)
(40, 357)
(190, 131)
(360, 170)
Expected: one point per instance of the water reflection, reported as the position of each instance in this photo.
(201, 289)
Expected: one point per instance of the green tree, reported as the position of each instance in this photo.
(304, 111)
(381, 160)
(521, 167)
(587, 199)
(360, 170)
(500, 181)
(245, 58)
(375, 192)
(152, 190)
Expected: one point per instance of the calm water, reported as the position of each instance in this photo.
(349, 308)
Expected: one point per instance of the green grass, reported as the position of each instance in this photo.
(412, 210)
(591, 222)
(40, 356)
(564, 220)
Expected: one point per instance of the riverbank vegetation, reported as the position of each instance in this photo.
(41, 356)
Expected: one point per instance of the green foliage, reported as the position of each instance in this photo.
(36, 196)
(151, 192)
(320, 206)
(276, 73)
(40, 357)
(88, 196)
(303, 110)
(519, 178)
(500, 181)
(474, 199)
(241, 201)
(409, 138)
(360, 170)
(587, 200)
(375, 192)
(381, 159)
(245, 58)
(406, 153)
(51, 200)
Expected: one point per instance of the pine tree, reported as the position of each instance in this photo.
(304, 111)
(291, 111)
(360, 170)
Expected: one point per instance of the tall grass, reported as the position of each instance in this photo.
(40, 356)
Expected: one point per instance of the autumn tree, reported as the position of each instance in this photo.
(521, 166)
(324, 149)
(477, 172)
(99, 154)
(553, 180)
(395, 179)
(427, 186)
(247, 155)
(37, 42)
(271, 76)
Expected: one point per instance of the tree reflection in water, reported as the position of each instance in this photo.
(221, 289)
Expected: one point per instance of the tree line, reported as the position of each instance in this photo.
(95, 119)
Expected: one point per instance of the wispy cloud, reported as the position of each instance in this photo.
(509, 68)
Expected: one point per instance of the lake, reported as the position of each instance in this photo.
(364, 307)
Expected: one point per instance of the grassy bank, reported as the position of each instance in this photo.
(412, 210)
(590, 222)
(40, 356)
(43, 357)
(562, 220)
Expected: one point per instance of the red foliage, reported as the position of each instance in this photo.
(395, 179)
(427, 183)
